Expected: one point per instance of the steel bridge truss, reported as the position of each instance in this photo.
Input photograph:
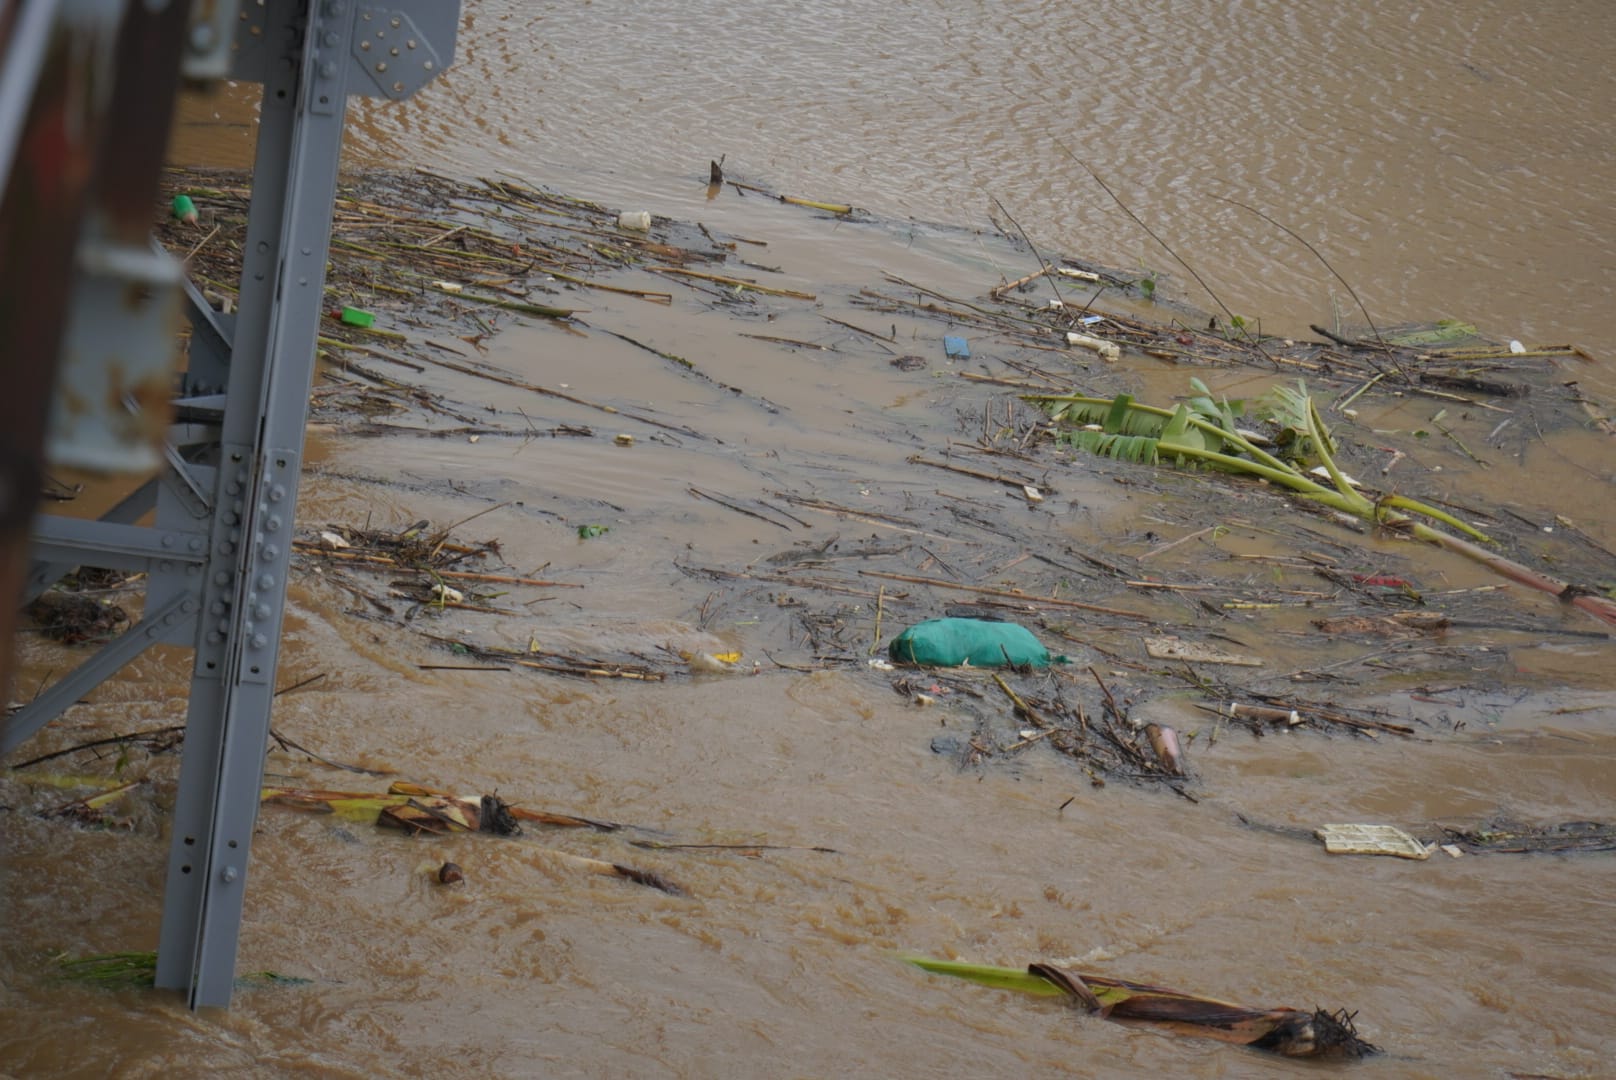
(223, 502)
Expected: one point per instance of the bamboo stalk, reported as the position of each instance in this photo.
(521, 307)
(880, 604)
(1011, 594)
(643, 294)
(1022, 708)
(1015, 482)
(739, 283)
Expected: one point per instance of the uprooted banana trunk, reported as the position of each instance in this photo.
(1291, 1032)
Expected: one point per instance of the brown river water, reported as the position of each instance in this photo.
(1449, 160)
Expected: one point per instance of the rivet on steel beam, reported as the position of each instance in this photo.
(229, 874)
(262, 611)
(259, 641)
(265, 581)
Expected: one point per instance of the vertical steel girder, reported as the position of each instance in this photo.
(306, 83)
(271, 368)
(219, 550)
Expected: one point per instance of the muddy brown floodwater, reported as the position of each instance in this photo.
(1449, 162)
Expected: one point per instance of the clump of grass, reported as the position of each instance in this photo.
(138, 971)
(116, 971)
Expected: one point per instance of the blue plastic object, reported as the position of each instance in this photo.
(977, 642)
(956, 348)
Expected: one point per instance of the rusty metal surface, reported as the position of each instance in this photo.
(112, 403)
(41, 210)
(146, 66)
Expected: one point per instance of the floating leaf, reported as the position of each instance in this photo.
(1136, 449)
(589, 532)
(1222, 413)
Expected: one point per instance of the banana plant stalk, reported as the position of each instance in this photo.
(421, 810)
(1144, 433)
(1286, 1031)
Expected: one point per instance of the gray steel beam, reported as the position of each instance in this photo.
(115, 547)
(159, 620)
(208, 357)
(219, 551)
(271, 369)
(266, 408)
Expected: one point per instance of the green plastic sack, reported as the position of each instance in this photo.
(978, 642)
